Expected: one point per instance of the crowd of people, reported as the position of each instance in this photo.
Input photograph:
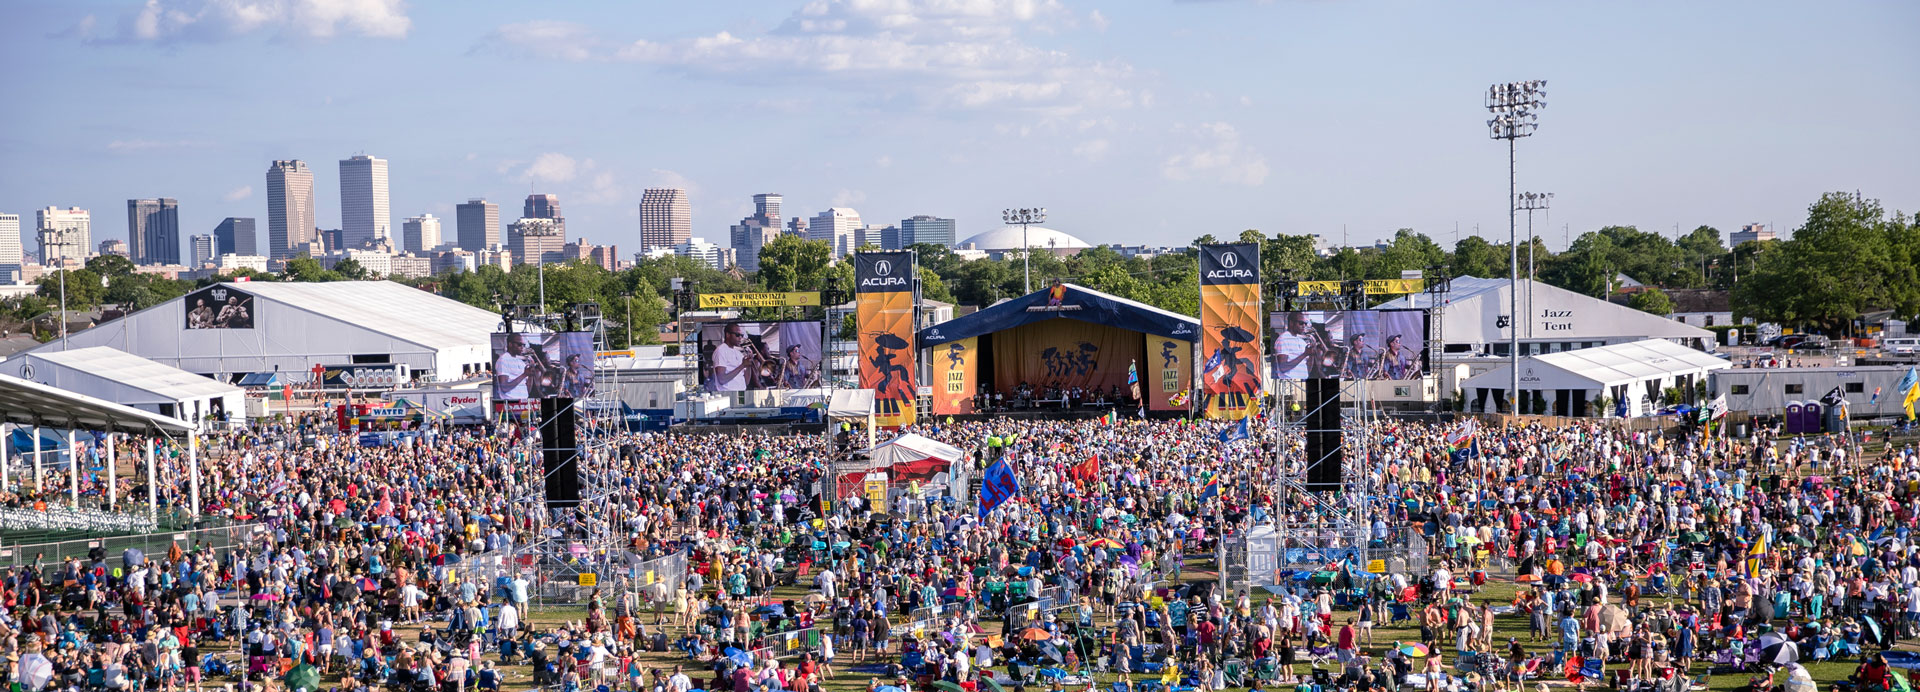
(418, 565)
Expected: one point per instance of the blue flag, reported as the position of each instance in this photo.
(1238, 432)
(997, 485)
(1211, 489)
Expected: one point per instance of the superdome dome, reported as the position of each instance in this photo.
(1040, 238)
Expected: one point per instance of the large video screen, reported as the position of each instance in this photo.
(219, 307)
(746, 356)
(1350, 344)
(528, 366)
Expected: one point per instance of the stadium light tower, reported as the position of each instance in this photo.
(1531, 202)
(1025, 218)
(1515, 107)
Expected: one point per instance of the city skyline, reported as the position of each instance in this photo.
(1296, 118)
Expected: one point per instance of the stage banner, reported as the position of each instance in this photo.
(1320, 288)
(883, 301)
(1230, 329)
(1166, 371)
(956, 372)
(1064, 354)
(1389, 287)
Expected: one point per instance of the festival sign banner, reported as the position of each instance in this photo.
(759, 300)
(883, 303)
(956, 369)
(1230, 329)
(1167, 371)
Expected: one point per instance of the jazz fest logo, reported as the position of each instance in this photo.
(1169, 373)
(1067, 362)
(956, 377)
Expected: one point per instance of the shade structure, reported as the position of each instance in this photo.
(906, 459)
(25, 402)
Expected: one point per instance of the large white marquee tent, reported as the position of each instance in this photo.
(291, 327)
(1632, 375)
(129, 380)
(1471, 311)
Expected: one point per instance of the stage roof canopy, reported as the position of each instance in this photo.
(1077, 303)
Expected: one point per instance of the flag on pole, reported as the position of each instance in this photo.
(1462, 434)
(1212, 488)
(997, 485)
(1237, 432)
(1133, 379)
(1088, 470)
(1909, 390)
(1756, 555)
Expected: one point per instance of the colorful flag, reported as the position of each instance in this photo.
(1756, 555)
(1909, 390)
(1181, 398)
(1211, 489)
(1462, 434)
(1088, 470)
(997, 485)
(1876, 397)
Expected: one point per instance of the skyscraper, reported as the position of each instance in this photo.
(839, 227)
(203, 246)
(536, 241)
(755, 231)
(931, 230)
(63, 233)
(545, 207)
(234, 236)
(12, 255)
(153, 230)
(289, 207)
(666, 219)
(364, 216)
(422, 233)
(477, 225)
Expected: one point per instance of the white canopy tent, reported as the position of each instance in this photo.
(852, 403)
(25, 403)
(911, 458)
(1471, 316)
(124, 378)
(1633, 375)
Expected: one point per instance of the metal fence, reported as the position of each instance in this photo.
(567, 578)
(50, 554)
(1265, 558)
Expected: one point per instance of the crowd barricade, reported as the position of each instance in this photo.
(153, 543)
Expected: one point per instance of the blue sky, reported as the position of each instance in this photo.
(1133, 122)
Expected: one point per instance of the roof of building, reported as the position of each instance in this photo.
(25, 402)
(1604, 365)
(1472, 309)
(1009, 238)
(402, 311)
(1077, 303)
(164, 381)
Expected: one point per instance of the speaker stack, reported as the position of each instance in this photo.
(560, 452)
(1326, 459)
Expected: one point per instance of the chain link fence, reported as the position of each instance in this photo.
(50, 554)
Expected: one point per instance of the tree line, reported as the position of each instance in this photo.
(1850, 256)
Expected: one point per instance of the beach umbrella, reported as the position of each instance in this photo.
(738, 657)
(444, 559)
(1583, 577)
(1414, 650)
(35, 671)
(1036, 634)
(1525, 579)
(1104, 542)
(1777, 649)
(303, 677)
(368, 584)
(991, 684)
(1872, 632)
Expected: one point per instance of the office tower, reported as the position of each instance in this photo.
(536, 241)
(113, 246)
(699, 249)
(63, 234)
(422, 233)
(798, 226)
(12, 254)
(1750, 233)
(666, 219)
(203, 249)
(153, 230)
(290, 213)
(757, 230)
(839, 227)
(931, 230)
(234, 236)
(545, 207)
(878, 236)
(477, 225)
(364, 216)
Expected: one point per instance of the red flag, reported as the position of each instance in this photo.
(1088, 470)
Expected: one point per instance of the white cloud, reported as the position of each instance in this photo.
(932, 53)
(1218, 155)
(164, 21)
(848, 198)
(550, 167)
(238, 193)
(1099, 21)
(1092, 149)
(884, 161)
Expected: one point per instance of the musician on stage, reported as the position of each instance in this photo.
(734, 361)
(1297, 349)
(795, 373)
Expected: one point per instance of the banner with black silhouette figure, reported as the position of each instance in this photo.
(1230, 330)
(883, 305)
(956, 372)
(219, 307)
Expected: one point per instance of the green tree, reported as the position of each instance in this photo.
(793, 263)
(1842, 262)
(84, 289)
(308, 269)
(110, 266)
(1652, 300)
(1474, 256)
(351, 270)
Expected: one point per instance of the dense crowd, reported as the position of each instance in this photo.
(402, 565)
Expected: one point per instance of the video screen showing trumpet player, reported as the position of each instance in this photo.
(1351, 345)
(745, 356)
(530, 366)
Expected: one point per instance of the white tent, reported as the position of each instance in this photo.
(129, 380)
(1632, 375)
(911, 457)
(1556, 319)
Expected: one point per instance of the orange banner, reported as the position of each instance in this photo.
(1230, 329)
(1166, 371)
(956, 376)
(883, 301)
